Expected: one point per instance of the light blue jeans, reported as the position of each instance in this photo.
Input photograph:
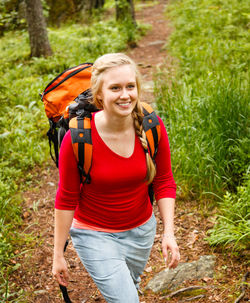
(115, 261)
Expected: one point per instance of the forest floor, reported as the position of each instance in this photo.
(192, 220)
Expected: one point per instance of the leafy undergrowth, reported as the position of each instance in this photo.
(232, 228)
(23, 124)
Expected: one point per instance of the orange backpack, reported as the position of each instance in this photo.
(66, 101)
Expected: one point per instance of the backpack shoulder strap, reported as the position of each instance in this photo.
(80, 128)
(152, 128)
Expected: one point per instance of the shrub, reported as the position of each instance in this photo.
(232, 227)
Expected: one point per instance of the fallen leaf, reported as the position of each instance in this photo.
(206, 279)
(148, 269)
(192, 238)
(26, 214)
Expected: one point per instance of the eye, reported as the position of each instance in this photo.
(131, 86)
(115, 88)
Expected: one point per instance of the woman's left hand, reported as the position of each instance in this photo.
(170, 246)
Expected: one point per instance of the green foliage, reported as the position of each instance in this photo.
(232, 228)
(23, 124)
(123, 9)
(205, 101)
(7, 289)
(10, 16)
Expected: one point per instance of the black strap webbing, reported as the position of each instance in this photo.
(65, 294)
(151, 193)
(81, 141)
(64, 288)
(53, 137)
(81, 156)
(155, 136)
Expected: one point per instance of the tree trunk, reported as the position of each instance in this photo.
(39, 42)
(98, 3)
(90, 4)
(132, 11)
(125, 11)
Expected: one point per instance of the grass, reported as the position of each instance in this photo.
(23, 124)
(204, 100)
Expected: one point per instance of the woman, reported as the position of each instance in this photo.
(111, 220)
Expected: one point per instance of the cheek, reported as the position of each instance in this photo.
(134, 94)
(109, 99)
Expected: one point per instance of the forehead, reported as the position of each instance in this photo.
(119, 74)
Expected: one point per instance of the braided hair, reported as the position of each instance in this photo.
(137, 114)
(104, 63)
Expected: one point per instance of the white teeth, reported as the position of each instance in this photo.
(124, 104)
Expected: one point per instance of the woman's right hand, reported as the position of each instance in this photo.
(60, 271)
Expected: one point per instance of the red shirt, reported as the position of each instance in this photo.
(117, 197)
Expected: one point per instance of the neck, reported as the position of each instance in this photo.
(116, 124)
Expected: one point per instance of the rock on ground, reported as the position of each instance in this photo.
(172, 278)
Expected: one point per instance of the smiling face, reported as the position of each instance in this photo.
(118, 92)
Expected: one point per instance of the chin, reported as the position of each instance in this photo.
(125, 112)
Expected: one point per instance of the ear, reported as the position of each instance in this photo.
(99, 96)
(99, 103)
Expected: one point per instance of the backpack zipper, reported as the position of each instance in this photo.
(70, 75)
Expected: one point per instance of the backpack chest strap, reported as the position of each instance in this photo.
(80, 129)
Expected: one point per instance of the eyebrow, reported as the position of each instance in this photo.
(131, 82)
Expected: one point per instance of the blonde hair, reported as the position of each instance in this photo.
(101, 65)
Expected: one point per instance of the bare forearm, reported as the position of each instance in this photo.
(166, 208)
(63, 221)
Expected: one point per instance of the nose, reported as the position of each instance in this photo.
(124, 94)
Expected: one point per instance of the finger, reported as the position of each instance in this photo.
(62, 281)
(173, 263)
(174, 260)
(62, 278)
(165, 255)
(57, 277)
(165, 252)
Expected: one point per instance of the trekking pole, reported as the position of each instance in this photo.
(64, 288)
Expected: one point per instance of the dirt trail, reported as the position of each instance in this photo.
(34, 275)
(149, 53)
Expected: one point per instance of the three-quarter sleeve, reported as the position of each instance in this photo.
(164, 185)
(68, 192)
